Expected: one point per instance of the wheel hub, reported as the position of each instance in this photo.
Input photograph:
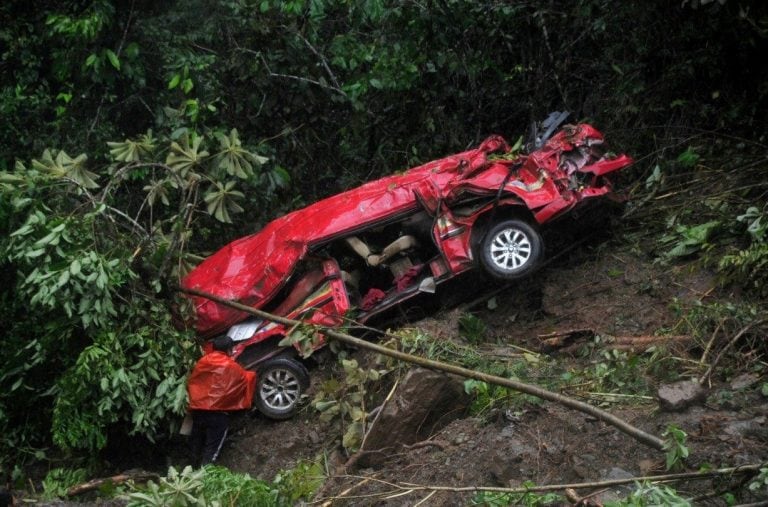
(510, 249)
(280, 389)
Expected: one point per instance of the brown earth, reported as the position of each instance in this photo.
(613, 293)
(600, 290)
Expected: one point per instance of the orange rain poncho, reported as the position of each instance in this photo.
(217, 382)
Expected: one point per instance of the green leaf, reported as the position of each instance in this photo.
(174, 82)
(133, 151)
(233, 158)
(221, 200)
(65, 166)
(113, 59)
(186, 155)
(132, 50)
(32, 254)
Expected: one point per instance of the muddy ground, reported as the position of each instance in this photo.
(612, 292)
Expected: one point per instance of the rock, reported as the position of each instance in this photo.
(504, 463)
(680, 395)
(744, 380)
(746, 428)
(615, 493)
(424, 402)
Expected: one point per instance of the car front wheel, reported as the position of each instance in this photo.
(281, 382)
(511, 249)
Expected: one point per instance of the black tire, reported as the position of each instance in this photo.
(281, 382)
(510, 250)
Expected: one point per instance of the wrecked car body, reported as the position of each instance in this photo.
(378, 245)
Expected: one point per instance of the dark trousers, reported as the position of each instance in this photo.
(209, 429)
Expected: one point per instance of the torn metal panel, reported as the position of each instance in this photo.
(443, 208)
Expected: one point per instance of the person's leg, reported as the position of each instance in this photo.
(215, 434)
(197, 438)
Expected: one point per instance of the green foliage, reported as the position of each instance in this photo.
(72, 265)
(58, 481)
(688, 158)
(687, 240)
(305, 338)
(346, 400)
(137, 375)
(472, 328)
(219, 484)
(618, 373)
(714, 324)
(177, 489)
(651, 495)
(415, 341)
(300, 482)
(213, 485)
(130, 150)
(90, 273)
(674, 446)
(749, 265)
(486, 397)
(529, 499)
(760, 483)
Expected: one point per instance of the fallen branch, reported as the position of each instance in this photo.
(347, 491)
(638, 343)
(565, 340)
(533, 390)
(139, 476)
(561, 339)
(706, 474)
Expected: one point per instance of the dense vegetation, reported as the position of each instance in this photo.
(137, 135)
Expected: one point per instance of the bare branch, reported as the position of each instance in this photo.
(334, 89)
(324, 62)
(706, 474)
(705, 378)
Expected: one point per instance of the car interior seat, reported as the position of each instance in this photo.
(401, 244)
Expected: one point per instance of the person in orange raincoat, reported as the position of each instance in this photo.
(217, 386)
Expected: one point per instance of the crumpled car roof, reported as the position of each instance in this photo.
(252, 269)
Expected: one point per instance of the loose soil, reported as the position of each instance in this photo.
(614, 293)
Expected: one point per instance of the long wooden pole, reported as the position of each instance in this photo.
(522, 387)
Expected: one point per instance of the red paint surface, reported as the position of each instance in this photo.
(251, 270)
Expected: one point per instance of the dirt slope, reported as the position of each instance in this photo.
(614, 293)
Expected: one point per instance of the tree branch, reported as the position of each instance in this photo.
(408, 487)
(533, 390)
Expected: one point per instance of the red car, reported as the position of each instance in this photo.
(359, 253)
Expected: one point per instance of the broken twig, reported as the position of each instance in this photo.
(93, 484)
(705, 378)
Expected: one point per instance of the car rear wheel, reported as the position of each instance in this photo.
(511, 249)
(281, 382)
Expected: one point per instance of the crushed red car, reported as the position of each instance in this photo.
(378, 245)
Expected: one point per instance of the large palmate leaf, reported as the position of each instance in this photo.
(133, 151)
(186, 154)
(65, 166)
(221, 200)
(235, 159)
(158, 190)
